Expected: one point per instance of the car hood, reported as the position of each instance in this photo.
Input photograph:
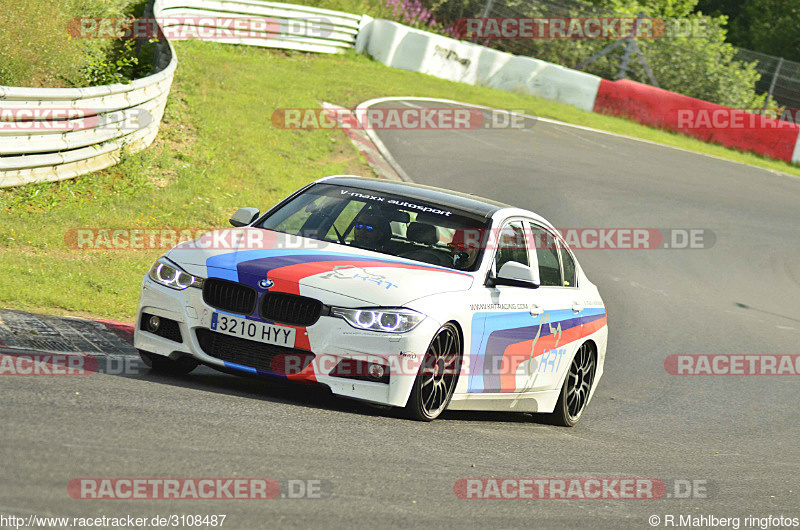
(335, 274)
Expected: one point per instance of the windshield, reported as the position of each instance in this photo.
(383, 223)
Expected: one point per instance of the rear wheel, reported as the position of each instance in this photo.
(165, 365)
(575, 392)
(437, 375)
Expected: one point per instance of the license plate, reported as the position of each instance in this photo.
(252, 330)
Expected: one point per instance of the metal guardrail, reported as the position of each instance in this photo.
(293, 27)
(95, 124)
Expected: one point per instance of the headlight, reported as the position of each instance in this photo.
(167, 273)
(378, 319)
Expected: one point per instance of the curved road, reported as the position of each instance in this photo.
(738, 434)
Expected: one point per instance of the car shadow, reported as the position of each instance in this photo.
(313, 396)
(487, 416)
(278, 390)
(264, 388)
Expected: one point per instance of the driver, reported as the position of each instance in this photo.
(372, 232)
(464, 248)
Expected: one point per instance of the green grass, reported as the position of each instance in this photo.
(217, 151)
(37, 50)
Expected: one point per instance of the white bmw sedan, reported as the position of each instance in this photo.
(391, 293)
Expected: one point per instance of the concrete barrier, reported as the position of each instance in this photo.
(796, 155)
(548, 81)
(407, 48)
(703, 120)
(37, 155)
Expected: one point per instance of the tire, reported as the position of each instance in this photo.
(437, 376)
(165, 365)
(574, 395)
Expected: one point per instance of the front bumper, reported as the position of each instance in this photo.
(330, 339)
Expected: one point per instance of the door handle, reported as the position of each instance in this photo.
(536, 310)
(577, 307)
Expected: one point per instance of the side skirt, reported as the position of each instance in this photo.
(542, 401)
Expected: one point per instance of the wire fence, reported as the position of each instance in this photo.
(680, 60)
(779, 77)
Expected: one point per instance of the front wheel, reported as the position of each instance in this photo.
(574, 394)
(159, 363)
(437, 375)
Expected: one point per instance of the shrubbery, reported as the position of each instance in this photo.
(699, 66)
(36, 49)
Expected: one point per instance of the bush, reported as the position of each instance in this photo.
(700, 67)
(37, 51)
(413, 13)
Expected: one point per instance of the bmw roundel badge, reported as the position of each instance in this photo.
(266, 283)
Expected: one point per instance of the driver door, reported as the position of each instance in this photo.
(560, 324)
(505, 321)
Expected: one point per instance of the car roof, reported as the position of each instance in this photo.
(453, 199)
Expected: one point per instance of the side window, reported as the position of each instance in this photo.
(547, 254)
(570, 273)
(511, 245)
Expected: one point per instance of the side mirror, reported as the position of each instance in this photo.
(518, 275)
(244, 216)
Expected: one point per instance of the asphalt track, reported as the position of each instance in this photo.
(740, 434)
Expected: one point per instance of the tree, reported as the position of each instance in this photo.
(766, 26)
